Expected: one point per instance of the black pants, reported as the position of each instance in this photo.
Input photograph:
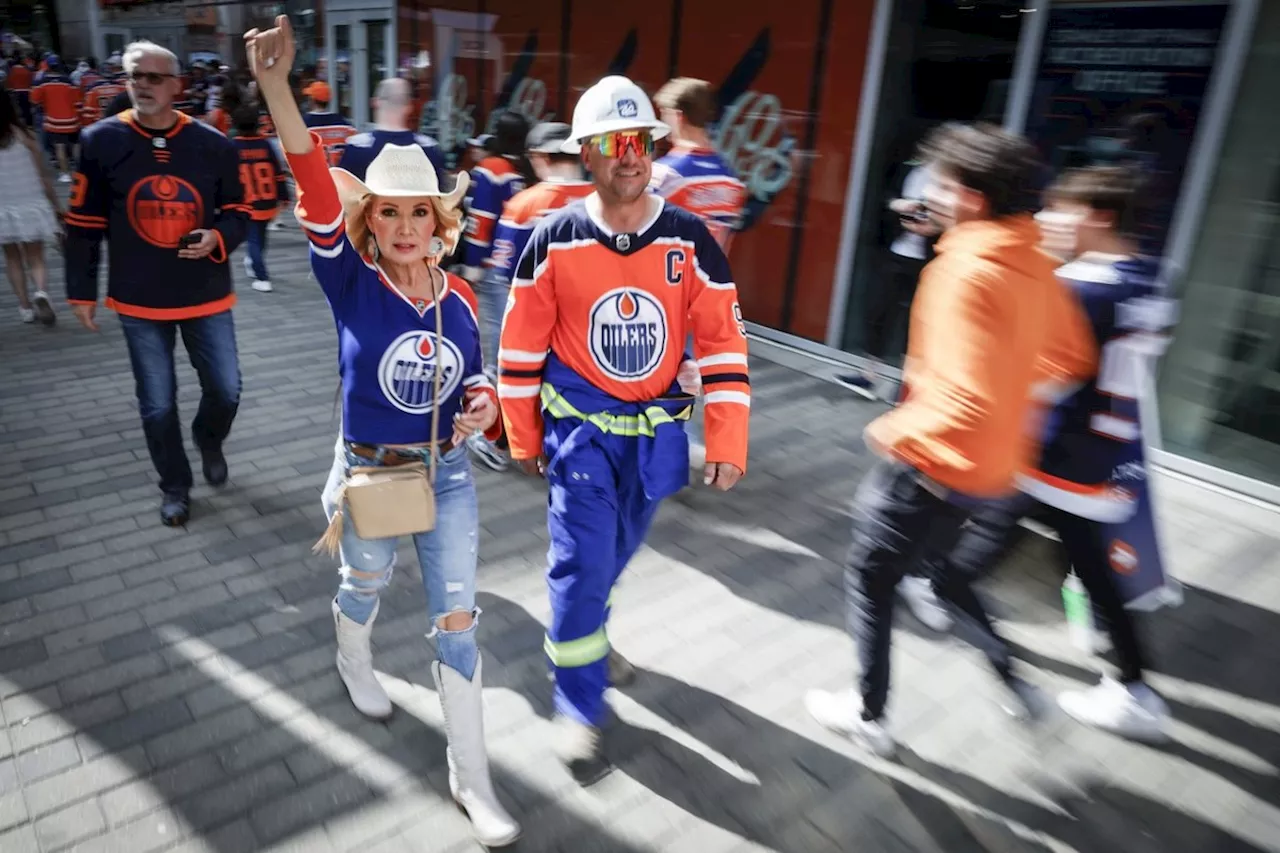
(984, 541)
(898, 524)
(890, 307)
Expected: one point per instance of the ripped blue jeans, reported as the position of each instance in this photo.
(446, 554)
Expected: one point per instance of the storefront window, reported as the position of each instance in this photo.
(946, 60)
(1219, 388)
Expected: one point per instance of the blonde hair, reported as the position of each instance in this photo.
(448, 226)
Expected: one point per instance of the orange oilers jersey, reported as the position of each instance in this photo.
(19, 79)
(616, 310)
(60, 100)
(98, 98)
(699, 180)
(522, 213)
(220, 120)
(333, 130)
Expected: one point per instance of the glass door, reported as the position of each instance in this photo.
(114, 40)
(945, 60)
(359, 54)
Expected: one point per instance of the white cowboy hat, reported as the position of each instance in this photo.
(399, 171)
(613, 104)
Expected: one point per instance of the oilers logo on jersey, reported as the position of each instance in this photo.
(407, 371)
(164, 208)
(628, 334)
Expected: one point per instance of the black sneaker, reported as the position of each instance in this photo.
(175, 509)
(862, 384)
(215, 467)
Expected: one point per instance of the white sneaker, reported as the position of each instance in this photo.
(261, 286)
(43, 307)
(488, 453)
(64, 178)
(28, 315)
(1133, 711)
(923, 602)
(841, 712)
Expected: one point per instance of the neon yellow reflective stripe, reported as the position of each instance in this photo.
(625, 425)
(580, 652)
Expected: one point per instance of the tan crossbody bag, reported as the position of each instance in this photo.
(387, 502)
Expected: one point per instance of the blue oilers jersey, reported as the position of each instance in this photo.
(359, 150)
(494, 182)
(388, 349)
(1092, 433)
(699, 180)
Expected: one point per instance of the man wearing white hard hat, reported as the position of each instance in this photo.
(601, 302)
(413, 389)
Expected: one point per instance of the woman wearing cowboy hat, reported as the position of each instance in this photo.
(409, 354)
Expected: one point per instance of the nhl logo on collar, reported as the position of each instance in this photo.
(158, 142)
(622, 241)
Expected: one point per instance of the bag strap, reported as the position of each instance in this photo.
(436, 379)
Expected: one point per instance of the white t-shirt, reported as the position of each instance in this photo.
(908, 244)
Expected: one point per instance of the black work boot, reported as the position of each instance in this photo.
(175, 509)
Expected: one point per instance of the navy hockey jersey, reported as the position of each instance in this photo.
(334, 129)
(363, 147)
(388, 351)
(262, 176)
(144, 190)
(1090, 434)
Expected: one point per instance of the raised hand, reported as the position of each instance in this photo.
(271, 52)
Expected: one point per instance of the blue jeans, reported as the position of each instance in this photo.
(492, 291)
(446, 554)
(255, 248)
(211, 344)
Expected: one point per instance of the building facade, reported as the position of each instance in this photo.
(821, 105)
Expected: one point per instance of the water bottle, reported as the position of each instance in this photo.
(1079, 610)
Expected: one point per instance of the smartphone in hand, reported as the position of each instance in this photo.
(186, 241)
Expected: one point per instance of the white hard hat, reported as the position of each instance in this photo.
(615, 103)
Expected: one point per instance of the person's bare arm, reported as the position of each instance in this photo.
(42, 168)
(271, 54)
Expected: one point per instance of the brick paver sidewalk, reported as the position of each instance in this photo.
(175, 690)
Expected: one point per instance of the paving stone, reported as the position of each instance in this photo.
(66, 722)
(94, 776)
(201, 735)
(147, 793)
(47, 759)
(62, 828)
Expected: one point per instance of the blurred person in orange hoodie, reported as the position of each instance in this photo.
(987, 309)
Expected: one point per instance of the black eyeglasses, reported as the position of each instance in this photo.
(152, 78)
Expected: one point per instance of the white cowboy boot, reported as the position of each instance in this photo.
(469, 781)
(355, 664)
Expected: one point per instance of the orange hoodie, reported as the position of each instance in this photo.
(987, 314)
